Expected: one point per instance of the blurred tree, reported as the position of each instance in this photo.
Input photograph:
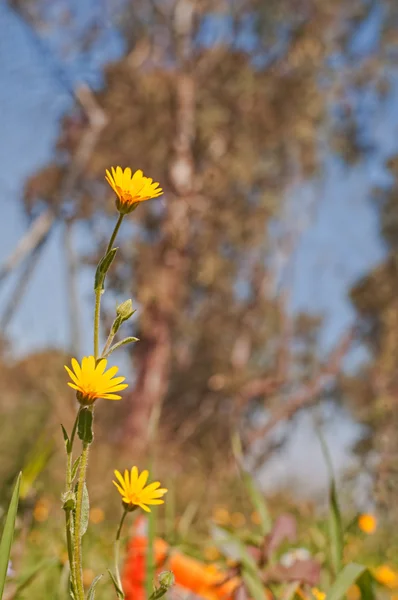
(230, 105)
(375, 395)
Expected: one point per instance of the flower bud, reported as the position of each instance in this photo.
(166, 579)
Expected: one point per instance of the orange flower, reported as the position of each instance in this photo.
(386, 576)
(131, 189)
(206, 581)
(367, 523)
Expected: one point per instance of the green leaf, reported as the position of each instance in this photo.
(68, 500)
(344, 580)
(91, 591)
(254, 584)
(256, 496)
(166, 581)
(127, 340)
(85, 512)
(66, 438)
(336, 532)
(85, 426)
(75, 467)
(102, 269)
(119, 592)
(365, 584)
(258, 502)
(28, 576)
(232, 547)
(335, 529)
(8, 534)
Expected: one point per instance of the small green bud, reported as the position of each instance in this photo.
(68, 501)
(125, 310)
(166, 579)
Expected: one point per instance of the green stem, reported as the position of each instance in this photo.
(77, 542)
(117, 551)
(97, 321)
(68, 512)
(114, 234)
(69, 520)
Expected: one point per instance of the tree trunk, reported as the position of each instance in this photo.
(153, 357)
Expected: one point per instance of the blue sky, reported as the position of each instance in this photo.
(339, 245)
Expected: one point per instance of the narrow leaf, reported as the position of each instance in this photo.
(91, 591)
(85, 426)
(254, 584)
(127, 340)
(335, 529)
(103, 267)
(8, 535)
(66, 437)
(258, 502)
(119, 592)
(30, 575)
(75, 467)
(344, 580)
(85, 512)
(336, 532)
(256, 496)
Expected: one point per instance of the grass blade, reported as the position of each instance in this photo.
(344, 580)
(8, 535)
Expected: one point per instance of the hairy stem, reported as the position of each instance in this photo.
(117, 551)
(114, 234)
(77, 542)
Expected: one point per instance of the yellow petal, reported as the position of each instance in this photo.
(152, 486)
(72, 385)
(110, 397)
(111, 372)
(72, 375)
(142, 479)
(76, 367)
(134, 476)
(101, 366)
(119, 477)
(119, 488)
(144, 507)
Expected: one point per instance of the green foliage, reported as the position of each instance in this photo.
(85, 426)
(103, 268)
(349, 575)
(8, 534)
(91, 591)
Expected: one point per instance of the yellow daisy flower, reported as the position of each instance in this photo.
(91, 381)
(131, 189)
(135, 493)
(367, 523)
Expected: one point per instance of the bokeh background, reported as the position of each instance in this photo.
(265, 278)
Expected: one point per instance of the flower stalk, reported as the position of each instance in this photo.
(91, 381)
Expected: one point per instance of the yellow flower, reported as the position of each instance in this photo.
(353, 592)
(41, 510)
(255, 518)
(318, 595)
(237, 519)
(131, 189)
(221, 516)
(91, 381)
(133, 491)
(386, 576)
(96, 515)
(211, 553)
(367, 523)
